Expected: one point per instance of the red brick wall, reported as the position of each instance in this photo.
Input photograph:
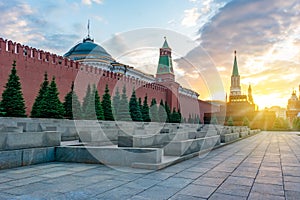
(31, 69)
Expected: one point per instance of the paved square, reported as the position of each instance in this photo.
(264, 166)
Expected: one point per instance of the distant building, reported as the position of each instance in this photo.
(238, 105)
(293, 107)
(279, 111)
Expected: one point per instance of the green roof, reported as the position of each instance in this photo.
(235, 71)
(166, 45)
(165, 65)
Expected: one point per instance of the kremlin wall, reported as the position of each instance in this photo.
(32, 63)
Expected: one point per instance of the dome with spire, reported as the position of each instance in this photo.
(88, 50)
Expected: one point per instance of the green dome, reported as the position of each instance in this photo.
(88, 50)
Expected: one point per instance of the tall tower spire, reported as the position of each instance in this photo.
(250, 97)
(235, 88)
(235, 70)
(165, 65)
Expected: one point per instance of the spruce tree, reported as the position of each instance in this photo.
(153, 111)
(134, 108)
(98, 107)
(214, 120)
(175, 117)
(13, 103)
(88, 105)
(190, 120)
(72, 105)
(230, 121)
(180, 115)
(106, 105)
(296, 123)
(168, 111)
(145, 110)
(123, 108)
(277, 124)
(51, 107)
(140, 105)
(246, 122)
(162, 112)
(35, 111)
(2, 113)
(116, 104)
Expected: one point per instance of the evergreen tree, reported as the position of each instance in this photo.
(246, 122)
(145, 110)
(180, 116)
(175, 117)
(153, 111)
(51, 107)
(296, 123)
(190, 119)
(35, 111)
(134, 108)
(199, 120)
(123, 108)
(140, 104)
(162, 115)
(72, 105)
(98, 107)
(2, 113)
(280, 124)
(116, 103)
(88, 105)
(13, 104)
(106, 105)
(230, 121)
(168, 111)
(214, 120)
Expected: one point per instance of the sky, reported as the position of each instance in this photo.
(203, 35)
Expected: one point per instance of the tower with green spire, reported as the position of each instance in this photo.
(165, 75)
(239, 106)
(235, 88)
(165, 70)
(250, 98)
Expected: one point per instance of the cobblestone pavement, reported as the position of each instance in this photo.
(264, 166)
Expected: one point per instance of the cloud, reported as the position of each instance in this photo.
(267, 41)
(27, 25)
(90, 2)
(190, 17)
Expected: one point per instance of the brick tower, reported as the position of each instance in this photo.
(165, 75)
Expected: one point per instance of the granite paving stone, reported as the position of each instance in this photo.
(198, 190)
(158, 192)
(292, 195)
(209, 181)
(234, 189)
(239, 180)
(295, 179)
(175, 182)
(188, 174)
(261, 196)
(276, 190)
(292, 186)
(269, 180)
(264, 166)
(185, 197)
(221, 196)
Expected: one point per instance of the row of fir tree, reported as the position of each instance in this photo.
(48, 105)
